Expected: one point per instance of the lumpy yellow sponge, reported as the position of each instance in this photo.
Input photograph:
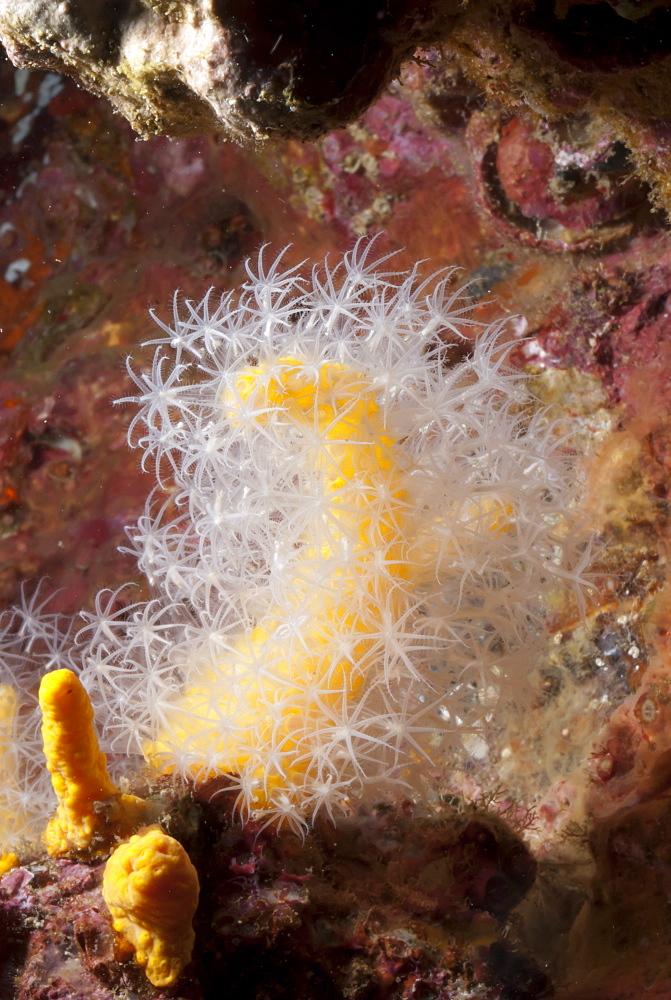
(91, 810)
(151, 889)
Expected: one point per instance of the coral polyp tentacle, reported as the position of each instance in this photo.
(381, 527)
(352, 576)
(352, 544)
(351, 563)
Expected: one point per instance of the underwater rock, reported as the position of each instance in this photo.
(578, 62)
(193, 67)
(390, 903)
(557, 186)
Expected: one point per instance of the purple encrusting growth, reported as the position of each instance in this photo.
(393, 903)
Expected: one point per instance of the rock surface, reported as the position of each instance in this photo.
(251, 70)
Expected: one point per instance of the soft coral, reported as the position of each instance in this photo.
(351, 558)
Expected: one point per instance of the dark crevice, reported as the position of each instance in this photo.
(595, 38)
(318, 49)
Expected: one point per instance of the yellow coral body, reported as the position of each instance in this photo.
(90, 809)
(12, 816)
(351, 581)
(151, 890)
(7, 862)
(8, 708)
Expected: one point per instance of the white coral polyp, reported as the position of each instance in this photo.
(350, 542)
(295, 655)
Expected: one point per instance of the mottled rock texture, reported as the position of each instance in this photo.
(251, 69)
(604, 64)
(297, 68)
(389, 905)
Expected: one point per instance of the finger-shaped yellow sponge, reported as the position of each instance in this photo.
(151, 889)
(91, 810)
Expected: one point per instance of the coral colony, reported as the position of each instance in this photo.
(351, 543)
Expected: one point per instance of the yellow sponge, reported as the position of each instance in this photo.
(91, 809)
(151, 889)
